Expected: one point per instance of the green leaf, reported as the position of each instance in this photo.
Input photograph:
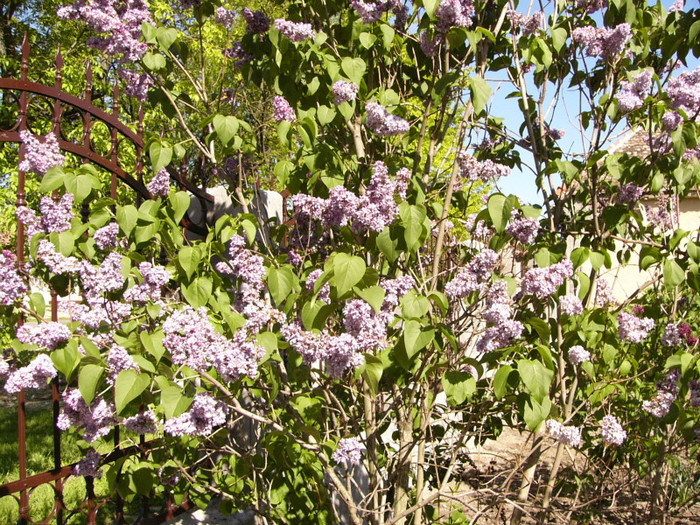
(580, 256)
(597, 260)
(458, 386)
(149, 33)
(38, 304)
(174, 402)
(430, 7)
(354, 69)
(180, 202)
(161, 155)
(440, 299)
(66, 360)
(189, 260)
(367, 40)
(153, 343)
(129, 385)
(694, 251)
(166, 37)
(280, 282)
(197, 293)
(649, 255)
(559, 36)
(541, 327)
(88, 381)
(673, 274)
(374, 296)
(412, 219)
(415, 338)
(500, 381)
(53, 179)
(347, 272)
(534, 413)
(325, 115)
(536, 378)
(374, 368)
(154, 61)
(387, 245)
(499, 208)
(225, 127)
(126, 218)
(481, 92)
(414, 305)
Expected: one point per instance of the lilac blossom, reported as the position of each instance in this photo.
(571, 305)
(604, 295)
(672, 336)
(591, 6)
(107, 277)
(678, 5)
(40, 157)
(106, 237)
(226, 17)
(143, 423)
(256, 21)
(154, 278)
(606, 42)
(118, 360)
(31, 222)
(35, 375)
(337, 352)
(666, 392)
(383, 123)
(47, 335)
(370, 12)
(632, 94)
(12, 287)
(349, 451)
(498, 304)
(543, 282)
(136, 85)
(295, 31)
(89, 466)
(554, 133)
(472, 169)
(578, 355)
(283, 111)
(671, 120)
(237, 53)
(527, 24)
(694, 387)
(428, 46)
(633, 329)
(119, 21)
(665, 214)
(55, 261)
(567, 435)
(204, 415)
(247, 266)
(160, 184)
(454, 13)
(629, 193)
(472, 277)
(344, 92)
(683, 91)
(4, 369)
(324, 292)
(687, 334)
(95, 420)
(57, 215)
(612, 432)
(395, 289)
(499, 336)
(365, 325)
(523, 229)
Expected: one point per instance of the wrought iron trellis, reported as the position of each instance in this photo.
(22, 488)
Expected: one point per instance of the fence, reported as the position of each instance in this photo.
(24, 91)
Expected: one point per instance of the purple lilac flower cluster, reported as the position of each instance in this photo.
(55, 261)
(119, 20)
(40, 157)
(632, 94)
(683, 92)
(256, 22)
(89, 466)
(105, 278)
(543, 282)
(12, 287)
(364, 325)
(349, 451)
(344, 92)
(47, 335)
(96, 420)
(56, 216)
(295, 31)
(678, 5)
(687, 334)
(237, 53)
(578, 355)
(472, 169)
(498, 312)
(428, 46)
(664, 215)
(324, 294)
(383, 123)
(633, 329)
(605, 41)
(204, 415)
(118, 360)
(136, 85)
(247, 266)
(604, 295)
(143, 423)
(192, 340)
(225, 17)
(568, 435)
(474, 275)
(612, 432)
(666, 392)
(629, 193)
(154, 278)
(571, 305)
(106, 237)
(370, 12)
(554, 133)
(160, 184)
(282, 110)
(454, 13)
(523, 229)
(35, 375)
(672, 336)
(527, 24)
(694, 387)
(338, 352)
(591, 6)
(372, 211)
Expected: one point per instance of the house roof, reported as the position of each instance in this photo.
(634, 143)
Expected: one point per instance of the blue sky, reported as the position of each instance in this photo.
(563, 116)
